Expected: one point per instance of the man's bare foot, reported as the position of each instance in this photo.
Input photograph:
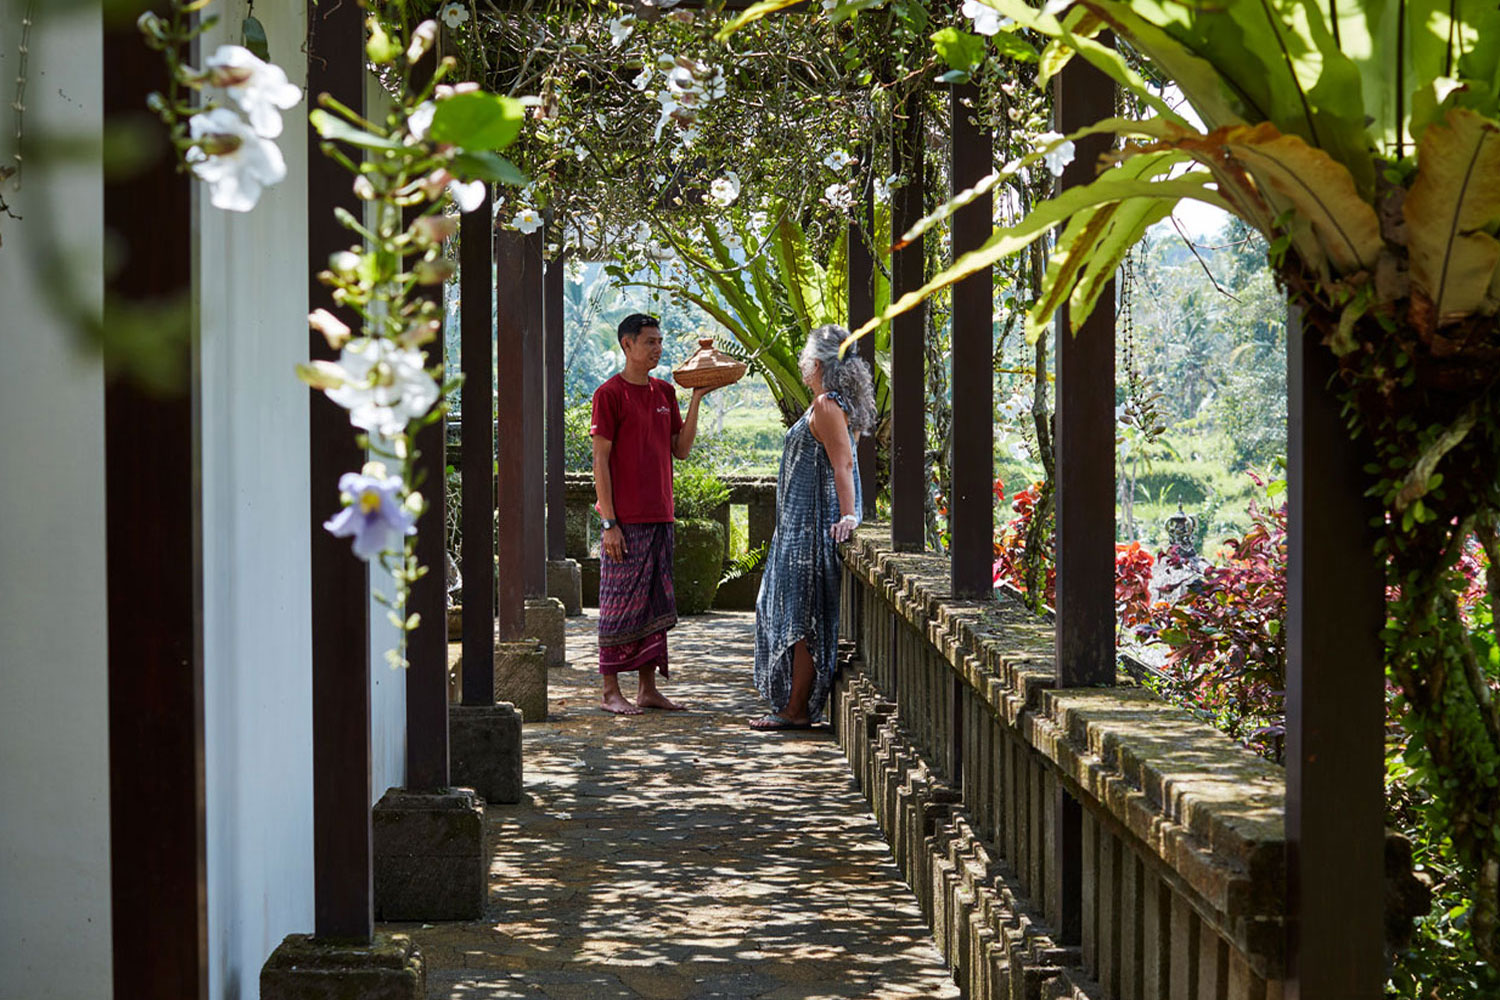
(619, 704)
(655, 699)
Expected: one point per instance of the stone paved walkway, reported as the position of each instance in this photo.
(680, 855)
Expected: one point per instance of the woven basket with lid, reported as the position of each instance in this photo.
(708, 368)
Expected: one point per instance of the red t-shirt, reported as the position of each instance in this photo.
(640, 421)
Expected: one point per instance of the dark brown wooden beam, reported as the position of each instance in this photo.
(1085, 428)
(342, 891)
(861, 309)
(510, 539)
(1335, 695)
(557, 505)
(427, 646)
(908, 335)
(153, 514)
(533, 421)
(477, 335)
(972, 506)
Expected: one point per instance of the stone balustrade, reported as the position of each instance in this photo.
(757, 494)
(1094, 843)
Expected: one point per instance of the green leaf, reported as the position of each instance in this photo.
(486, 166)
(959, 49)
(253, 37)
(477, 121)
(1107, 188)
(753, 13)
(1453, 207)
(334, 128)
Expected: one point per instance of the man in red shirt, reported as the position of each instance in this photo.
(637, 430)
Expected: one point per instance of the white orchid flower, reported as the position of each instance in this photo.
(420, 120)
(1060, 155)
(838, 161)
(620, 28)
(455, 14)
(467, 196)
(987, 20)
(382, 385)
(232, 159)
(839, 197)
(259, 88)
(726, 189)
(528, 220)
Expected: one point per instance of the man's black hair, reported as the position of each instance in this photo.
(635, 323)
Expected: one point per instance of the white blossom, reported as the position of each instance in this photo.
(1019, 451)
(884, 185)
(528, 220)
(1059, 155)
(419, 121)
(987, 20)
(733, 241)
(620, 28)
(665, 62)
(726, 189)
(642, 80)
(382, 385)
(467, 196)
(259, 88)
(839, 197)
(455, 14)
(838, 161)
(232, 159)
(689, 135)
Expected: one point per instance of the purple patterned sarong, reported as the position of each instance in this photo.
(636, 601)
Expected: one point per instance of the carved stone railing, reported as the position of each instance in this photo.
(756, 493)
(1026, 816)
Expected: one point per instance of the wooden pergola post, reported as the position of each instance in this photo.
(1084, 439)
(154, 587)
(342, 783)
(476, 237)
(511, 259)
(908, 335)
(1335, 696)
(533, 402)
(972, 505)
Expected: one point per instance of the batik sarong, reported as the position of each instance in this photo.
(636, 601)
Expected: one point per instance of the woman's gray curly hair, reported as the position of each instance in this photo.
(849, 376)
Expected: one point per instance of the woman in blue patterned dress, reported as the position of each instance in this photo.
(818, 506)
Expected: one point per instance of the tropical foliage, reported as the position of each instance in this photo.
(1359, 140)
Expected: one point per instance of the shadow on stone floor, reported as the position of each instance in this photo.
(681, 855)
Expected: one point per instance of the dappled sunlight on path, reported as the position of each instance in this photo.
(680, 855)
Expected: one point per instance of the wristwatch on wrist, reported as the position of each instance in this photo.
(605, 524)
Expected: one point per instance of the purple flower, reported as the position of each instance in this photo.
(373, 514)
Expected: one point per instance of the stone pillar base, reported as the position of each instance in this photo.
(544, 619)
(430, 862)
(304, 968)
(521, 678)
(484, 751)
(565, 582)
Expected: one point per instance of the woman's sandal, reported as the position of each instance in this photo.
(776, 722)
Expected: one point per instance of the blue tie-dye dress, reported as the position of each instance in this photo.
(799, 588)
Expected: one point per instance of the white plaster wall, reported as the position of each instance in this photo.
(252, 273)
(54, 709)
(388, 686)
